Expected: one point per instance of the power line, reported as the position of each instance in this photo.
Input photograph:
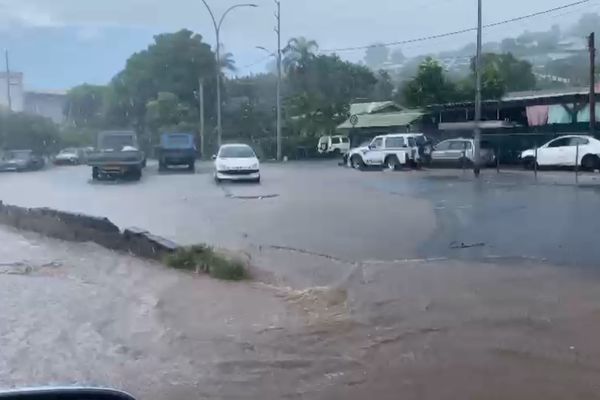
(454, 33)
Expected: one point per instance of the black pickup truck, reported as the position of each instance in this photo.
(117, 155)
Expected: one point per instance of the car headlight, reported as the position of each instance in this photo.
(254, 166)
(221, 167)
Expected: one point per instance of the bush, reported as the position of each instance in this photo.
(201, 258)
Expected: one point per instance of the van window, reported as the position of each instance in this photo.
(335, 140)
(394, 142)
(345, 140)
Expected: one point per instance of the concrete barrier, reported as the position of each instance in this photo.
(77, 227)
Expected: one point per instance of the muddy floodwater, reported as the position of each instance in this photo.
(411, 285)
(79, 314)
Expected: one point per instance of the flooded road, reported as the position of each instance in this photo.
(359, 292)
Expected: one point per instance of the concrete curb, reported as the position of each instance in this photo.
(86, 228)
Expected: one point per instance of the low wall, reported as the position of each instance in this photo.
(85, 228)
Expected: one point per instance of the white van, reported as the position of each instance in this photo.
(337, 145)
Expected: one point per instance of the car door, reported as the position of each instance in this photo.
(457, 150)
(554, 152)
(584, 148)
(375, 154)
(438, 155)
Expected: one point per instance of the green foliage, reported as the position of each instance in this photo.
(78, 136)
(321, 91)
(85, 105)
(507, 72)
(24, 131)
(172, 64)
(384, 88)
(298, 52)
(429, 86)
(201, 258)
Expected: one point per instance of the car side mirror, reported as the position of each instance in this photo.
(213, 157)
(371, 147)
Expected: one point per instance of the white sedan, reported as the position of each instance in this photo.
(563, 151)
(236, 162)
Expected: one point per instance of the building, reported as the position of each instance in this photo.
(15, 83)
(46, 104)
(49, 104)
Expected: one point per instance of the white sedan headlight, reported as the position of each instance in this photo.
(221, 167)
(254, 166)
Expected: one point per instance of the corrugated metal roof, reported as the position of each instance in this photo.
(384, 120)
(538, 94)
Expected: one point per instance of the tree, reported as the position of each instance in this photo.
(227, 62)
(429, 86)
(298, 52)
(376, 55)
(166, 111)
(85, 105)
(173, 63)
(24, 131)
(320, 94)
(515, 74)
(384, 87)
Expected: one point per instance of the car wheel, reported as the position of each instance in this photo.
(257, 180)
(192, 166)
(95, 174)
(357, 162)
(217, 180)
(392, 163)
(590, 162)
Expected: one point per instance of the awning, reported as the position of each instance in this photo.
(383, 120)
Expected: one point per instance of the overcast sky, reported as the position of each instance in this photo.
(59, 43)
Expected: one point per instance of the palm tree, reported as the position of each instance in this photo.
(298, 52)
(227, 62)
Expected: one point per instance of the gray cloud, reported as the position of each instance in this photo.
(333, 23)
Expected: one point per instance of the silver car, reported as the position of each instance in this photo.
(460, 152)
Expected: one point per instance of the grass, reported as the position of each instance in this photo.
(201, 258)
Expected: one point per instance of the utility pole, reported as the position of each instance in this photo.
(477, 147)
(592, 49)
(201, 110)
(278, 30)
(8, 95)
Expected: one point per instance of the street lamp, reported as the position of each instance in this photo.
(217, 26)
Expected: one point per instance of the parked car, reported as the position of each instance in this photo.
(335, 145)
(176, 149)
(562, 151)
(117, 155)
(461, 152)
(391, 151)
(69, 156)
(236, 162)
(21, 160)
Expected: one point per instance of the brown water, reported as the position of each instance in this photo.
(79, 314)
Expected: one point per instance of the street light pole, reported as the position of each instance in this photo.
(477, 144)
(217, 27)
(278, 30)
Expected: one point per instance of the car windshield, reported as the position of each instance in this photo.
(180, 141)
(68, 151)
(237, 152)
(19, 154)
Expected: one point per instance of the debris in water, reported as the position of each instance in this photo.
(462, 245)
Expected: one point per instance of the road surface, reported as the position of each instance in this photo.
(422, 283)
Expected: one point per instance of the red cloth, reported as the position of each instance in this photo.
(537, 115)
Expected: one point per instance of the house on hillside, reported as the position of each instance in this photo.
(368, 120)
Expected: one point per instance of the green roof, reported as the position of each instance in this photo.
(384, 120)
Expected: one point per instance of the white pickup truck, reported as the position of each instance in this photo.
(392, 151)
